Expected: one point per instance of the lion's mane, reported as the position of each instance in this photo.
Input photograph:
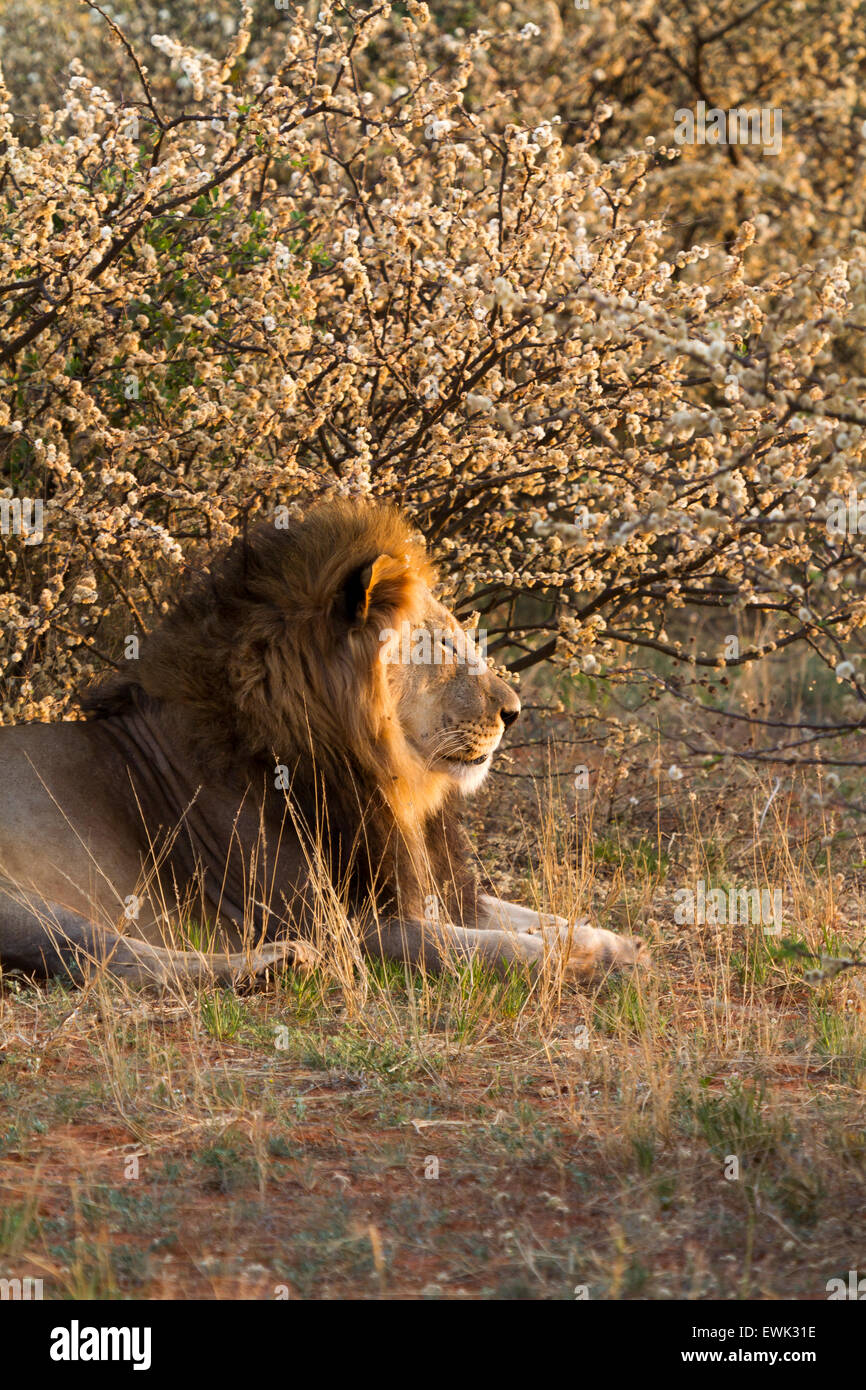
(269, 657)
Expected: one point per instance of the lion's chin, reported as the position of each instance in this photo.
(468, 776)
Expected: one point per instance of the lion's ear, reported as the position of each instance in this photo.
(377, 590)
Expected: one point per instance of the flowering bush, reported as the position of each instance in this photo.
(351, 249)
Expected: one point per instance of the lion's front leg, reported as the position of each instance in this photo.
(588, 950)
(438, 946)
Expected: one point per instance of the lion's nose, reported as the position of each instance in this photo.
(510, 713)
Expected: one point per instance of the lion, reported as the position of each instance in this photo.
(282, 727)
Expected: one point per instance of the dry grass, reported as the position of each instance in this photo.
(360, 1133)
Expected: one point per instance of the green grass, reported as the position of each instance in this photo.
(222, 1015)
(739, 1122)
(644, 857)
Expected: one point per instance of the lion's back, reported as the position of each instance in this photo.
(66, 829)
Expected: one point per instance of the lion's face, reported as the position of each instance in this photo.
(451, 707)
(323, 641)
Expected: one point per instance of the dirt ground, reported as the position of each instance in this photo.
(698, 1131)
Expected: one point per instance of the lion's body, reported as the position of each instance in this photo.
(260, 747)
(119, 821)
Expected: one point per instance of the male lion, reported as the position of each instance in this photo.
(271, 738)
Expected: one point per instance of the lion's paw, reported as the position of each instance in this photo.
(274, 957)
(304, 957)
(593, 951)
